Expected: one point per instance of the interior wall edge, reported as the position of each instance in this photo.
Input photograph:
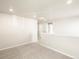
(20, 44)
(16, 33)
(49, 47)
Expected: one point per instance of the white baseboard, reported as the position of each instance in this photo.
(22, 43)
(45, 45)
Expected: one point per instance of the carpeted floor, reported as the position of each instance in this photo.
(31, 51)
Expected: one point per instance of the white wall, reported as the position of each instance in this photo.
(65, 37)
(15, 30)
(67, 27)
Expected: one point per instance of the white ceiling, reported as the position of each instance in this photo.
(49, 9)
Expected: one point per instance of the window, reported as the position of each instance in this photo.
(46, 28)
(50, 28)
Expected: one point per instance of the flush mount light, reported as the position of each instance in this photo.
(69, 2)
(11, 10)
(41, 18)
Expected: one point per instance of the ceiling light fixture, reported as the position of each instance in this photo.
(69, 2)
(42, 18)
(11, 10)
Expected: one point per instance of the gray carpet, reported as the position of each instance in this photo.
(31, 51)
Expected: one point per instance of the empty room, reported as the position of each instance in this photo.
(39, 29)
